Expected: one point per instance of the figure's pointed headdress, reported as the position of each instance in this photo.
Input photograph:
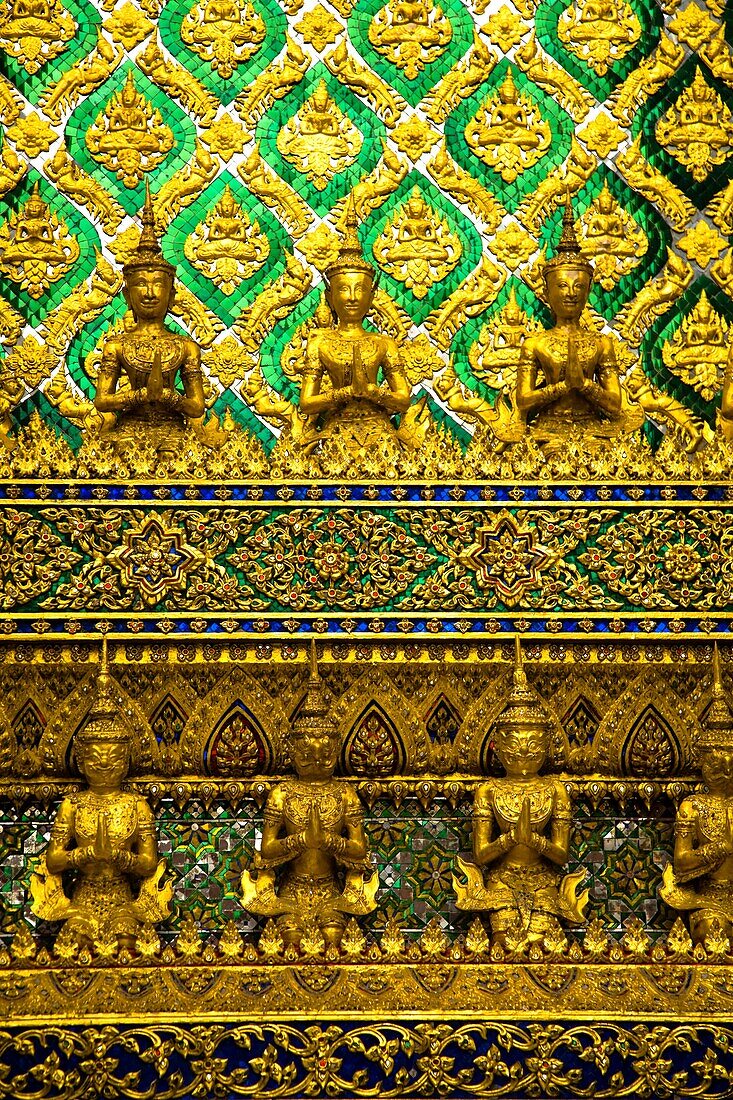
(314, 714)
(350, 255)
(718, 728)
(568, 252)
(524, 708)
(105, 722)
(148, 252)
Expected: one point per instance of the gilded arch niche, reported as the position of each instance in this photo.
(478, 727)
(648, 732)
(70, 715)
(372, 709)
(237, 729)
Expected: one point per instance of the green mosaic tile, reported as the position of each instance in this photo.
(371, 129)
(412, 90)
(225, 88)
(509, 192)
(81, 119)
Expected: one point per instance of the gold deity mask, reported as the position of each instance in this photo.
(523, 752)
(716, 764)
(149, 292)
(102, 756)
(315, 754)
(567, 288)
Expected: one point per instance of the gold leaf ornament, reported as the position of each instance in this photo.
(36, 247)
(225, 33)
(697, 353)
(417, 246)
(129, 136)
(319, 28)
(599, 32)
(34, 32)
(411, 34)
(697, 130)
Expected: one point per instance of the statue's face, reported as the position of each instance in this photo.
(717, 769)
(148, 292)
(104, 763)
(314, 756)
(523, 753)
(567, 291)
(350, 295)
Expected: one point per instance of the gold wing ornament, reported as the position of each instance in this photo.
(153, 902)
(47, 891)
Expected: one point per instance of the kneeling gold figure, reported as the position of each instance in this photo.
(523, 891)
(700, 878)
(107, 837)
(314, 828)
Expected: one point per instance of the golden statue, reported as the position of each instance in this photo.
(567, 377)
(106, 835)
(139, 366)
(226, 246)
(417, 247)
(523, 891)
(356, 409)
(725, 414)
(314, 827)
(700, 878)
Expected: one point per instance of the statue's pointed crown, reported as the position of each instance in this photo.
(568, 252)
(718, 728)
(314, 714)
(524, 708)
(148, 251)
(104, 721)
(350, 255)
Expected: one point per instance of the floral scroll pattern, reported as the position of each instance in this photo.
(309, 559)
(373, 1059)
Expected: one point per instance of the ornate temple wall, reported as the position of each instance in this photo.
(458, 129)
